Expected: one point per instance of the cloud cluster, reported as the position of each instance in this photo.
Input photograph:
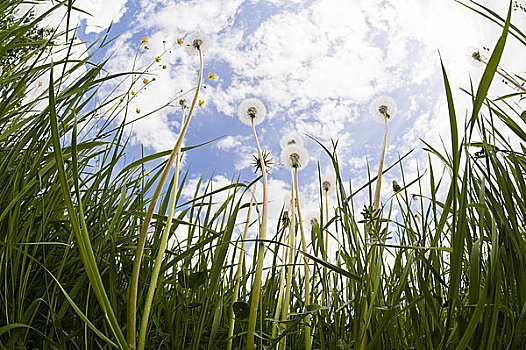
(315, 64)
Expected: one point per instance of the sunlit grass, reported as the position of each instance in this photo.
(88, 242)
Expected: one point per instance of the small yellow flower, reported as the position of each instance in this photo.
(201, 102)
(148, 173)
(146, 47)
(180, 41)
(133, 92)
(164, 66)
(157, 59)
(145, 81)
(122, 99)
(144, 40)
(137, 110)
(39, 83)
(211, 76)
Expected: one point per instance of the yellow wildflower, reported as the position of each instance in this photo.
(157, 59)
(137, 110)
(211, 76)
(145, 81)
(146, 47)
(164, 66)
(133, 92)
(180, 41)
(39, 83)
(122, 99)
(144, 40)
(148, 173)
(201, 102)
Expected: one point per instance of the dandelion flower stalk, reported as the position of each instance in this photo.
(326, 187)
(293, 157)
(238, 272)
(134, 283)
(478, 59)
(382, 109)
(284, 259)
(254, 111)
(308, 336)
(380, 169)
(290, 259)
(158, 260)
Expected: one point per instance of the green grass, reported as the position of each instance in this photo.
(71, 211)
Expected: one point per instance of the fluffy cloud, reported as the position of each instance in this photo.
(315, 64)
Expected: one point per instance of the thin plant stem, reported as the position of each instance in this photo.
(505, 76)
(292, 234)
(256, 287)
(159, 259)
(284, 258)
(380, 169)
(326, 240)
(308, 336)
(238, 272)
(326, 221)
(134, 283)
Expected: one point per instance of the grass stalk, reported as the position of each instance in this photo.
(160, 254)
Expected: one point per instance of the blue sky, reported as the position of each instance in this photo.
(315, 64)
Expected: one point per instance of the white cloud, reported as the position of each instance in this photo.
(316, 66)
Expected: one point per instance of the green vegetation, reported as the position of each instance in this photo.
(71, 213)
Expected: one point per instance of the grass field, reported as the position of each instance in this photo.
(89, 257)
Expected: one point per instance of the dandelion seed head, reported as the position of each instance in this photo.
(251, 109)
(291, 138)
(294, 156)
(475, 57)
(312, 218)
(327, 184)
(196, 41)
(381, 107)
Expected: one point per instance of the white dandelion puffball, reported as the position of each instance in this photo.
(381, 105)
(312, 218)
(294, 156)
(252, 109)
(291, 138)
(328, 184)
(194, 41)
(476, 57)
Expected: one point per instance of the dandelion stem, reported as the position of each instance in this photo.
(505, 76)
(292, 234)
(238, 272)
(256, 287)
(284, 258)
(134, 283)
(380, 168)
(308, 336)
(325, 234)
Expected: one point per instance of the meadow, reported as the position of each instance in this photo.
(90, 258)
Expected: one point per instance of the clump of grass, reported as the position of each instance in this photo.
(447, 271)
